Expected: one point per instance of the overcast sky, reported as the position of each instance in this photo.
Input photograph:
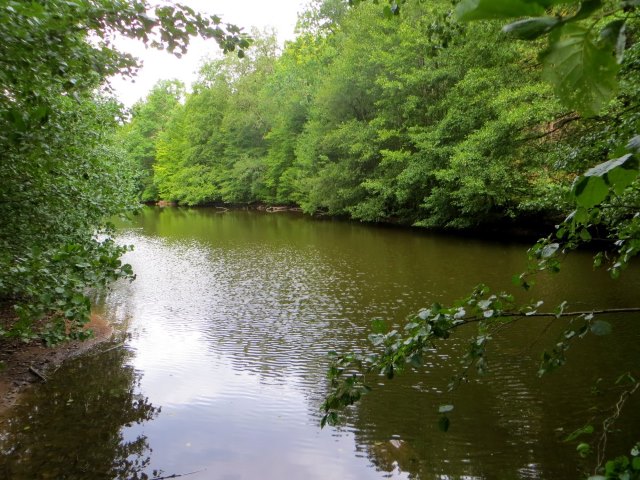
(279, 14)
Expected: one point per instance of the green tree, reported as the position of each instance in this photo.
(214, 145)
(64, 172)
(148, 119)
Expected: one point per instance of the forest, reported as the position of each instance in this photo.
(415, 118)
(471, 115)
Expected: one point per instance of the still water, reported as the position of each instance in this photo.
(226, 332)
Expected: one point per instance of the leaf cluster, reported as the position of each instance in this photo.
(64, 172)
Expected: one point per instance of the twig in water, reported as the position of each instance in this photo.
(119, 345)
(176, 475)
(41, 376)
(608, 422)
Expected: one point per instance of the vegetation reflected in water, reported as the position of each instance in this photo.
(72, 427)
(231, 318)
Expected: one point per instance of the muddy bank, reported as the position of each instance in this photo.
(22, 364)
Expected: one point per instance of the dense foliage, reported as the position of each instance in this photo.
(591, 60)
(63, 173)
(422, 118)
(417, 119)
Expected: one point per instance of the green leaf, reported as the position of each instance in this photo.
(531, 28)
(584, 235)
(587, 7)
(618, 173)
(600, 328)
(583, 449)
(621, 178)
(590, 191)
(485, 9)
(582, 73)
(378, 325)
(613, 35)
(443, 423)
(586, 430)
(445, 408)
(602, 169)
(634, 144)
(550, 250)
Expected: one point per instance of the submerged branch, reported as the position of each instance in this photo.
(609, 421)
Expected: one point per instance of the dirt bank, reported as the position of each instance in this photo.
(20, 363)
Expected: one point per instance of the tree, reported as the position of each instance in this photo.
(591, 55)
(64, 174)
(149, 120)
(214, 145)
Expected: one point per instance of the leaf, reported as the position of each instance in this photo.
(550, 250)
(620, 178)
(378, 325)
(600, 328)
(614, 36)
(531, 28)
(485, 9)
(583, 449)
(416, 360)
(634, 144)
(584, 235)
(586, 430)
(445, 408)
(443, 423)
(587, 7)
(582, 73)
(590, 191)
(484, 304)
(627, 161)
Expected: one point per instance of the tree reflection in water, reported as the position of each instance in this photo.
(58, 435)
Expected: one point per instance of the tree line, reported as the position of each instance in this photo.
(416, 118)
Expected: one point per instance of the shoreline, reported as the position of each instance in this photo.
(525, 229)
(22, 362)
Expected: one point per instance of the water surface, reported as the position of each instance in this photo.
(222, 371)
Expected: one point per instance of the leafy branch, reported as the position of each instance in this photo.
(394, 351)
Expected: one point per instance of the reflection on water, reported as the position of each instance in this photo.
(228, 327)
(72, 428)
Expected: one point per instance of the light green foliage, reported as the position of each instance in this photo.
(371, 118)
(141, 134)
(213, 146)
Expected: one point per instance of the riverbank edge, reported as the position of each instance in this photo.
(529, 229)
(27, 364)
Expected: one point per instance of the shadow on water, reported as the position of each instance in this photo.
(73, 427)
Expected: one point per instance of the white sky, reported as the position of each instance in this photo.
(279, 14)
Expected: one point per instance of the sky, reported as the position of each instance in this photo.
(278, 14)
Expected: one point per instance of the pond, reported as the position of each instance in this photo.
(225, 334)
